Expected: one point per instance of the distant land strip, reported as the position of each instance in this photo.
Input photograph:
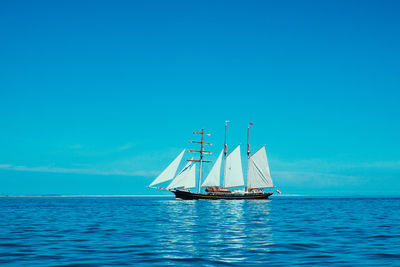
(283, 195)
(172, 196)
(86, 195)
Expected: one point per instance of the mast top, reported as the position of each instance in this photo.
(225, 145)
(248, 139)
(202, 132)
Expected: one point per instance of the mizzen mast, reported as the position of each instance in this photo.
(202, 152)
(248, 136)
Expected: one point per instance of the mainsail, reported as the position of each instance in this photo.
(169, 172)
(258, 174)
(233, 172)
(186, 178)
(213, 177)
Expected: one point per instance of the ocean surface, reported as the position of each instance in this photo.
(283, 231)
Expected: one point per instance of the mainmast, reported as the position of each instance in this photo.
(248, 152)
(202, 152)
(225, 152)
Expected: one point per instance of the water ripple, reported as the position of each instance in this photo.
(159, 231)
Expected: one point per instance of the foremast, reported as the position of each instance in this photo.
(202, 152)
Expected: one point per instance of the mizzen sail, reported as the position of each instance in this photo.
(258, 173)
(169, 172)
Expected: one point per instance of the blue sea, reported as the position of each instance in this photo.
(161, 231)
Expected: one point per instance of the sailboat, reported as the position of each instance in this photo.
(180, 183)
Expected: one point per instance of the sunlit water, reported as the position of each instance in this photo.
(164, 231)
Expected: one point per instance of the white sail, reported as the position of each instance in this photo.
(190, 181)
(258, 174)
(186, 178)
(213, 177)
(234, 173)
(180, 176)
(188, 164)
(169, 172)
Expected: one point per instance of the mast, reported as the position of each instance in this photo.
(225, 152)
(202, 152)
(248, 144)
(248, 152)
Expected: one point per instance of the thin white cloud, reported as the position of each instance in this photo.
(378, 164)
(314, 178)
(75, 146)
(126, 147)
(50, 169)
(331, 166)
(3, 166)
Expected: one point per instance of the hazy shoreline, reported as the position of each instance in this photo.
(118, 195)
(172, 196)
(86, 195)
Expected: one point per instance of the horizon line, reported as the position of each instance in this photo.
(102, 195)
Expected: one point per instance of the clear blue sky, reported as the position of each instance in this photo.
(97, 97)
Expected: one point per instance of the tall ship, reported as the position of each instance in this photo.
(189, 184)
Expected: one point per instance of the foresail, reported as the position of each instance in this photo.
(181, 176)
(190, 181)
(169, 172)
(234, 173)
(186, 178)
(258, 173)
(212, 178)
(187, 166)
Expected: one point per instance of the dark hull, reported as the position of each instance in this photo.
(190, 195)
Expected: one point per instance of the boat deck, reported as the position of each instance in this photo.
(189, 195)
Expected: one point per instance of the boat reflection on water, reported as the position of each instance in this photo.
(220, 230)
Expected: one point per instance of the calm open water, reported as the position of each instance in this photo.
(164, 231)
